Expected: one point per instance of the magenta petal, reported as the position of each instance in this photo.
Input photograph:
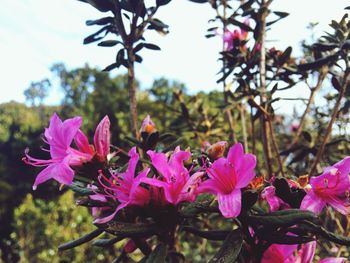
(235, 155)
(342, 206)
(270, 196)
(160, 162)
(102, 137)
(312, 203)
(307, 252)
(332, 260)
(61, 172)
(209, 186)
(82, 143)
(246, 171)
(177, 159)
(230, 204)
(106, 219)
(43, 176)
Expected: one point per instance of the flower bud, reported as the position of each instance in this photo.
(148, 126)
(217, 150)
(102, 138)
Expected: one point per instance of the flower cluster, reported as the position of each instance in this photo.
(143, 182)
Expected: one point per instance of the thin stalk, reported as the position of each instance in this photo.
(228, 113)
(262, 80)
(244, 130)
(330, 124)
(314, 90)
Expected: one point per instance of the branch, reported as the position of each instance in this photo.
(333, 118)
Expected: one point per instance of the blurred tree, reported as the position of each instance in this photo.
(37, 92)
(40, 227)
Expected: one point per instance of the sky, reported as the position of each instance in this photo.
(34, 34)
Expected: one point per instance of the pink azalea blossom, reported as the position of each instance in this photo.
(226, 178)
(102, 140)
(175, 179)
(230, 37)
(125, 187)
(275, 203)
(330, 188)
(277, 253)
(59, 135)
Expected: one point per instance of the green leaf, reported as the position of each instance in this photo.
(318, 63)
(286, 217)
(111, 67)
(199, 1)
(129, 229)
(81, 240)
(285, 56)
(96, 36)
(211, 234)
(281, 14)
(151, 46)
(100, 22)
(158, 255)
(241, 25)
(230, 249)
(109, 43)
(106, 242)
(101, 5)
(324, 46)
(80, 190)
(162, 2)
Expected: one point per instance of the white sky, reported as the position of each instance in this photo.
(34, 34)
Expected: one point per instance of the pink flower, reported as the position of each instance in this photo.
(230, 37)
(125, 187)
(102, 140)
(174, 178)
(332, 188)
(275, 203)
(59, 135)
(226, 178)
(291, 254)
(279, 254)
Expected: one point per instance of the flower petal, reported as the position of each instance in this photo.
(245, 173)
(312, 203)
(102, 137)
(230, 204)
(235, 155)
(332, 260)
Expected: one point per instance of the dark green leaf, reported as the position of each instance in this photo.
(211, 235)
(151, 46)
(158, 255)
(100, 22)
(199, 1)
(230, 249)
(95, 36)
(281, 14)
(80, 190)
(129, 229)
(324, 46)
(111, 67)
(106, 242)
(101, 5)
(285, 56)
(286, 217)
(109, 43)
(318, 63)
(81, 240)
(241, 25)
(162, 2)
